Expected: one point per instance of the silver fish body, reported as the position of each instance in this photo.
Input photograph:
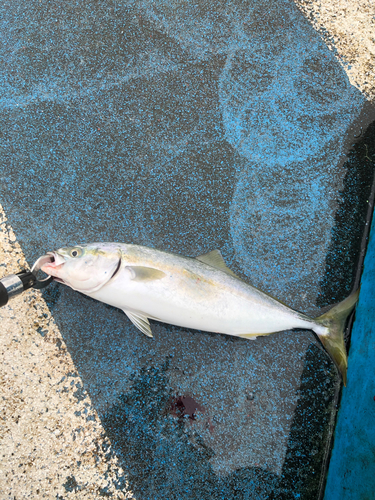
(200, 293)
(193, 294)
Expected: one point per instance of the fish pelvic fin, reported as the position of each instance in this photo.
(333, 340)
(140, 321)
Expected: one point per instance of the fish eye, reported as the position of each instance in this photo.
(76, 252)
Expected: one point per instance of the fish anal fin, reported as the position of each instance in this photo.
(142, 273)
(249, 336)
(215, 259)
(140, 321)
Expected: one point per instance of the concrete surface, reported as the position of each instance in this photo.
(183, 127)
(348, 30)
(52, 442)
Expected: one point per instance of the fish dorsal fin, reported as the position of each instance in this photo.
(215, 259)
(142, 273)
(140, 321)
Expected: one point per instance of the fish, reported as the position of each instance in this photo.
(201, 293)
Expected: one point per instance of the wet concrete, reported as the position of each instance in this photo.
(189, 128)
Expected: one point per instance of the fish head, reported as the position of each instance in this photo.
(85, 268)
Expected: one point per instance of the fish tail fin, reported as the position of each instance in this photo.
(333, 339)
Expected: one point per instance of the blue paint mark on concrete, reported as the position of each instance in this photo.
(351, 471)
(276, 100)
(286, 110)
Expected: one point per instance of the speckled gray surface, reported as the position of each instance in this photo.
(189, 128)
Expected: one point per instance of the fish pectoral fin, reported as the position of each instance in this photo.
(249, 336)
(140, 321)
(215, 259)
(142, 273)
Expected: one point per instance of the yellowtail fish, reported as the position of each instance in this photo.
(200, 293)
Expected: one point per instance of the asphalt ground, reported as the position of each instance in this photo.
(186, 128)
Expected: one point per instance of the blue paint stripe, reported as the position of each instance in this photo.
(351, 471)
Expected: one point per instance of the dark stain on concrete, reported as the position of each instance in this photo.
(177, 464)
(163, 456)
(183, 407)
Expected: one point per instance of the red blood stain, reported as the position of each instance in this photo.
(185, 406)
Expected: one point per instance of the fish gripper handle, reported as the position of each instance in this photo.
(14, 284)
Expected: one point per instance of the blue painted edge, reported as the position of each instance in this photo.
(351, 473)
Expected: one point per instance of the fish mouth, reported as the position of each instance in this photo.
(53, 266)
